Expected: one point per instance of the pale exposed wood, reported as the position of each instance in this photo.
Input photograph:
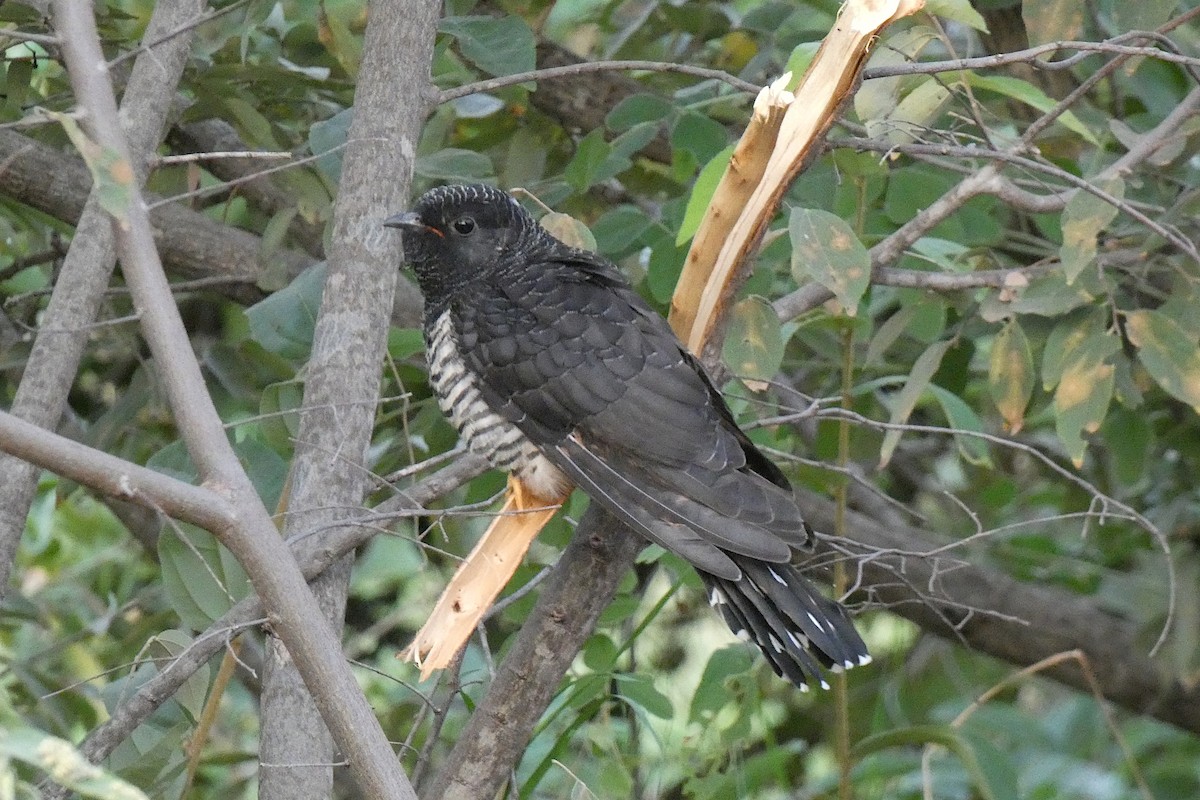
(741, 178)
(828, 83)
(480, 578)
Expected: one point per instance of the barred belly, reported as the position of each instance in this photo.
(484, 431)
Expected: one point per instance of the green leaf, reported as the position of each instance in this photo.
(906, 400)
(619, 229)
(168, 645)
(279, 407)
(497, 45)
(62, 763)
(640, 692)
(799, 60)
(454, 164)
(17, 77)
(636, 109)
(326, 138)
(876, 99)
(253, 123)
(284, 323)
(584, 168)
(1084, 217)
(339, 41)
(957, 11)
(202, 579)
(1025, 92)
(702, 193)
(1168, 353)
(961, 417)
(888, 333)
(912, 116)
(1053, 20)
(599, 653)
(597, 160)
(1146, 15)
(1011, 375)
(825, 249)
(921, 735)
(754, 344)
(699, 135)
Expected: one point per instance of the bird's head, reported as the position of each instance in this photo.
(454, 233)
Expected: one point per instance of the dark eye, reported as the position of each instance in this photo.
(464, 225)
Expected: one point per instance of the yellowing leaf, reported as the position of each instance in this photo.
(1085, 216)
(824, 249)
(1085, 388)
(569, 230)
(1010, 375)
(754, 345)
(112, 176)
(1168, 353)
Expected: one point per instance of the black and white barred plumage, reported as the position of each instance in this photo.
(551, 366)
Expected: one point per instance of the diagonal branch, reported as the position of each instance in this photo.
(252, 539)
(62, 335)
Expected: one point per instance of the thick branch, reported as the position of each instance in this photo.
(342, 377)
(572, 598)
(1020, 623)
(193, 245)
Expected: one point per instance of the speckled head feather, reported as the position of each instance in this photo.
(454, 231)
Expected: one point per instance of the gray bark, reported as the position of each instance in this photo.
(50, 370)
(330, 473)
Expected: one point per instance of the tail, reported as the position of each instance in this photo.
(795, 626)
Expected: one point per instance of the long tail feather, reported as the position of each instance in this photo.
(795, 626)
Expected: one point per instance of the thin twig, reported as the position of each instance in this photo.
(188, 158)
(587, 67)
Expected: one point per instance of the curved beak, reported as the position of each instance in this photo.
(411, 221)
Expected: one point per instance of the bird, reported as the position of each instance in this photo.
(553, 367)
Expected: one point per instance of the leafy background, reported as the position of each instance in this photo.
(1087, 355)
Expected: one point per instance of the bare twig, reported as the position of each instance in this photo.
(189, 158)
(1031, 55)
(583, 68)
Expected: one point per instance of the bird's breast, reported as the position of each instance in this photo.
(482, 429)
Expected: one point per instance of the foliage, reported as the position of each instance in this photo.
(1082, 348)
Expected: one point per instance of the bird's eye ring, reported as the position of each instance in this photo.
(464, 225)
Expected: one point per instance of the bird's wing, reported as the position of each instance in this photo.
(595, 378)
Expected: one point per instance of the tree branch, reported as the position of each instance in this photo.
(590, 67)
(41, 397)
(315, 551)
(193, 244)
(113, 476)
(252, 539)
(572, 598)
(342, 377)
